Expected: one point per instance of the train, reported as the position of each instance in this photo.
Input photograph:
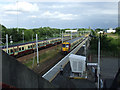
(67, 46)
(18, 50)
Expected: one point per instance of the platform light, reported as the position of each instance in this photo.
(62, 36)
(7, 42)
(71, 35)
(37, 50)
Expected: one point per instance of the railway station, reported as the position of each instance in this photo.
(73, 71)
(59, 45)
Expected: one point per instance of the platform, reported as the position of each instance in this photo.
(52, 73)
(65, 81)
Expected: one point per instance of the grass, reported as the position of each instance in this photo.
(110, 46)
(114, 36)
(43, 57)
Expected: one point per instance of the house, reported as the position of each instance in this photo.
(110, 30)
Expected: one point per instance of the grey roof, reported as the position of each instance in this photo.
(19, 44)
(73, 40)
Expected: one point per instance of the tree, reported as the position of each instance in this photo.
(118, 30)
(98, 29)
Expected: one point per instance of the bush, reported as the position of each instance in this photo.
(107, 44)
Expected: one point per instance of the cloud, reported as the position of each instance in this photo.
(54, 15)
(21, 7)
(62, 0)
(58, 15)
(32, 16)
(57, 6)
(99, 11)
(12, 12)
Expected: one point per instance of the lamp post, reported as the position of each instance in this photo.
(71, 35)
(37, 50)
(62, 36)
(7, 42)
(98, 73)
(98, 67)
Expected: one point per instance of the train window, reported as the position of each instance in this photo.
(22, 48)
(63, 45)
(8, 51)
(30, 46)
(19, 49)
(33, 45)
(15, 50)
(11, 50)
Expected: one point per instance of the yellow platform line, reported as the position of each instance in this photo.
(54, 76)
(57, 72)
(77, 78)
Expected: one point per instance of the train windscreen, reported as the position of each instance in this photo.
(63, 45)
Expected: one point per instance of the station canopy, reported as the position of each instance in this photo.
(77, 63)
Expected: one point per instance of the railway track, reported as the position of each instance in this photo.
(29, 56)
(45, 66)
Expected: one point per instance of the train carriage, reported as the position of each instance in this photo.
(29, 47)
(69, 45)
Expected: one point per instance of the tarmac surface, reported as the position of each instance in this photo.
(63, 80)
(109, 67)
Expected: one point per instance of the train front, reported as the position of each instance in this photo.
(65, 47)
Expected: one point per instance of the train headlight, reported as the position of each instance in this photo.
(67, 46)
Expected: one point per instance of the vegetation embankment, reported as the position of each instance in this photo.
(17, 34)
(109, 42)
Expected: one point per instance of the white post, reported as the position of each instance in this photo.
(85, 48)
(37, 50)
(62, 36)
(77, 34)
(71, 34)
(7, 42)
(98, 71)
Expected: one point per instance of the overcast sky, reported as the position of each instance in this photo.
(59, 14)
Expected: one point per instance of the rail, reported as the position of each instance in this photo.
(52, 73)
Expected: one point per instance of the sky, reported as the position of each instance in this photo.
(65, 14)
